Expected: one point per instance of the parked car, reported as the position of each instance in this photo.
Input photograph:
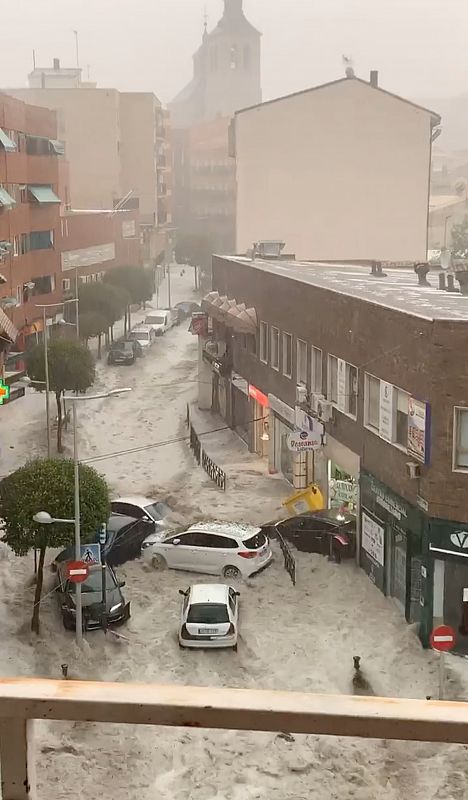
(328, 532)
(186, 309)
(209, 616)
(160, 321)
(124, 351)
(144, 335)
(216, 548)
(140, 507)
(125, 536)
(117, 610)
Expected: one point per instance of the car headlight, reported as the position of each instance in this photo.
(145, 545)
(116, 608)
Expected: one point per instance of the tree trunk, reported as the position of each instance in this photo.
(99, 346)
(58, 398)
(129, 320)
(38, 592)
(112, 333)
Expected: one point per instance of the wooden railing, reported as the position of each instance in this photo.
(23, 700)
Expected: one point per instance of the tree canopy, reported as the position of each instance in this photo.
(195, 249)
(48, 485)
(138, 282)
(460, 239)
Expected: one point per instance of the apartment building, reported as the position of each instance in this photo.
(371, 364)
(30, 168)
(340, 172)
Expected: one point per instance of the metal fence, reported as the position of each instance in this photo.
(195, 445)
(289, 560)
(217, 475)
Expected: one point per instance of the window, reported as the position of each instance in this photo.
(24, 243)
(274, 351)
(350, 399)
(41, 240)
(44, 285)
(316, 370)
(460, 438)
(19, 295)
(66, 284)
(264, 342)
(23, 192)
(208, 614)
(64, 226)
(287, 355)
(332, 379)
(301, 361)
(401, 428)
(252, 344)
(372, 402)
(16, 245)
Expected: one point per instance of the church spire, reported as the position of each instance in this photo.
(232, 8)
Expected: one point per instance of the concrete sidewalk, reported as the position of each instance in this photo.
(246, 473)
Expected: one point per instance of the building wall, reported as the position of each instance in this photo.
(441, 221)
(338, 173)
(138, 150)
(417, 355)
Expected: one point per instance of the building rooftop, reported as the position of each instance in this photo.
(398, 290)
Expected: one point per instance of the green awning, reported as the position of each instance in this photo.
(57, 146)
(7, 143)
(5, 199)
(43, 194)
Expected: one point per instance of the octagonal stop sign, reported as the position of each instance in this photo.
(77, 571)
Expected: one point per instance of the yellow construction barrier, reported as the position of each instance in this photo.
(309, 499)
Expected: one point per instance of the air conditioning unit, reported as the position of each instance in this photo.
(325, 410)
(315, 401)
(301, 394)
(413, 470)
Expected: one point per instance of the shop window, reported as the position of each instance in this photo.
(460, 438)
(332, 379)
(264, 342)
(316, 370)
(287, 355)
(401, 429)
(274, 351)
(301, 361)
(372, 402)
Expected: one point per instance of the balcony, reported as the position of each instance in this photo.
(23, 700)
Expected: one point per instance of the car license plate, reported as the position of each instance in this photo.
(205, 631)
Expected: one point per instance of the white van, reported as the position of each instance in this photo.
(160, 321)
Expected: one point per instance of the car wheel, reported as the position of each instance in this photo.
(158, 563)
(231, 572)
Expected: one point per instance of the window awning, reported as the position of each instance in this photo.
(43, 194)
(5, 199)
(6, 327)
(57, 146)
(7, 143)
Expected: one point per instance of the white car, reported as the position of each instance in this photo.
(144, 335)
(160, 321)
(209, 616)
(217, 548)
(139, 507)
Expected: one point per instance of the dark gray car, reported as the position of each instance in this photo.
(117, 610)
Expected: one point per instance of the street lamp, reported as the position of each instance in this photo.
(46, 360)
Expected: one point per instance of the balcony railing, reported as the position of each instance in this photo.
(23, 700)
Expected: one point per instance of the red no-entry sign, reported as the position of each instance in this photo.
(77, 571)
(443, 638)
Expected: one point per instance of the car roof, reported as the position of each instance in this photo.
(329, 515)
(239, 529)
(141, 327)
(117, 521)
(209, 593)
(135, 500)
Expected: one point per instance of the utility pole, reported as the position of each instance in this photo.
(77, 49)
(47, 387)
(76, 466)
(102, 542)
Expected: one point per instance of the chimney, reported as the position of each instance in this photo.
(421, 271)
(374, 78)
(442, 284)
(451, 284)
(56, 63)
(376, 270)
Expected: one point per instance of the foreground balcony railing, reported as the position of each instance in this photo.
(24, 700)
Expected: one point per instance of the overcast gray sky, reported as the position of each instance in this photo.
(419, 46)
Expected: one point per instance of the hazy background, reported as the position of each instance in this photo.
(419, 46)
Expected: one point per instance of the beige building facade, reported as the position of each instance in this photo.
(339, 172)
(445, 211)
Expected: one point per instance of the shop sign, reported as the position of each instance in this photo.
(418, 430)
(373, 539)
(343, 492)
(258, 396)
(387, 394)
(282, 409)
(240, 383)
(391, 504)
(341, 385)
(199, 324)
(448, 538)
(311, 439)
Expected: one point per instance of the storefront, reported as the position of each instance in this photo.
(282, 423)
(448, 550)
(241, 407)
(260, 422)
(343, 488)
(392, 545)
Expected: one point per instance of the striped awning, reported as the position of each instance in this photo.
(7, 328)
(233, 314)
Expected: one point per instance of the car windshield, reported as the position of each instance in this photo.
(255, 541)
(93, 583)
(208, 613)
(154, 320)
(126, 347)
(141, 336)
(157, 510)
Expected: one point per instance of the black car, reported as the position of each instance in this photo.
(125, 536)
(124, 351)
(185, 310)
(117, 610)
(328, 532)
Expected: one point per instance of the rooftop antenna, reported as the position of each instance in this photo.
(349, 66)
(34, 59)
(77, 49)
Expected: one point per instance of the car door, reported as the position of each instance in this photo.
(201, 555)
(177, 551)
(221, 552)
(315, 537)
(292, 529)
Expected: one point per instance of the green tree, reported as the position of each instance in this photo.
(460, 239)
(100, 306)
(195, 249)
(71, 367)
(48, 485)
(137, 282)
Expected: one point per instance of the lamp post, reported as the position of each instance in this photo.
(44, 518)
(46, 359)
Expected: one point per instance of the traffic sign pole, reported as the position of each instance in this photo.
(441, 674)
(442, 639)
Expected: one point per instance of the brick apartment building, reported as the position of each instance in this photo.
(375, 360)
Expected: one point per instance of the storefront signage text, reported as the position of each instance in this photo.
(373, 538)
(258, 396)
(345, 492)
(418, 430)
(310, 439)
(282, 409)
(390, 504)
